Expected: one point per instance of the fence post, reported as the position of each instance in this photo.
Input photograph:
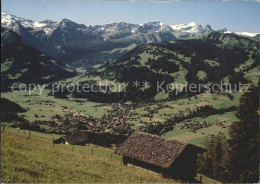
(29, 135)
(4, 128)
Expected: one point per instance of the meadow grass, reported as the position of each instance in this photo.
(45, 110)
(253, 74)
(199, 137)
(37, 160)
(48, 138)
(34, 160)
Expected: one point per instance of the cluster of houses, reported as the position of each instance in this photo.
(194, 125)
(117, 118)
(72, 122)
(157, 108)
(45, 102)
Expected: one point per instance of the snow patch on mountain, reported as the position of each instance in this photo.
(188, 27)
(247, 34)
(191, 29)
(150, 27)
(242, 33)
(8, 19)
(229, 32)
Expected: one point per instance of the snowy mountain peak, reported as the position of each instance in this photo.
(66, 22)
(3, 13)
(192, 24)
(114, 29)
(190, 30)
(8, 20)
(238, 33)
(152, 27)
(246, 34)
(183, 26)
(155, 24)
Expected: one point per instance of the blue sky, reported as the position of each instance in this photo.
(234, 15)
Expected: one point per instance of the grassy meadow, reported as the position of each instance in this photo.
(37, 160)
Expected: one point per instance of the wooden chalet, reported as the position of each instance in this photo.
(74, 139)
(171, 158)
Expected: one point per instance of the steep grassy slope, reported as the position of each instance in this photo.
(37, 160)
(25, 161)
(22, 63)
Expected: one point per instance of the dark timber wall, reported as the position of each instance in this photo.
(184, 167)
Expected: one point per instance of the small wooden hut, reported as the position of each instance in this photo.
(172, 158)
(74, 139)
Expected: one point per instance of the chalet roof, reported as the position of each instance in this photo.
(75, 138)
(152, 149)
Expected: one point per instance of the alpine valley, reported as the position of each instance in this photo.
(136, 56)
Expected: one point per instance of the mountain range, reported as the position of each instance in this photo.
(113, 30)
(48, 51)
(107, 31)
(85, 46)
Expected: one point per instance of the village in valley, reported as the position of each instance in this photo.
(162, 118)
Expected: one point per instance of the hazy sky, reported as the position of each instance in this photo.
(236, 16)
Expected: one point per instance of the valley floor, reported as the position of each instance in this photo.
(45, 107)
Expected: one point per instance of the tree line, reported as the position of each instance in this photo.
(234, 159)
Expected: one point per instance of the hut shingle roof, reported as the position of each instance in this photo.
(151, 149)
